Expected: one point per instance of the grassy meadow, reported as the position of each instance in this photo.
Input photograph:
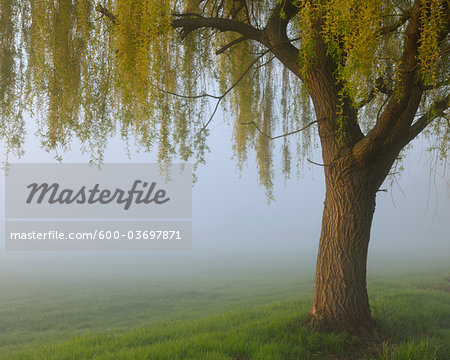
(238, 316)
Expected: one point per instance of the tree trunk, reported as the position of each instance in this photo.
(340, 301)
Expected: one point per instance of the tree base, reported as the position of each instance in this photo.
(364, 330)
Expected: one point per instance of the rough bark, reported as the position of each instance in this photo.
(340, 299)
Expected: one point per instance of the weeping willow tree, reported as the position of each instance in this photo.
(364, 77)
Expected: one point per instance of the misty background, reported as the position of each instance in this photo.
(237, 232)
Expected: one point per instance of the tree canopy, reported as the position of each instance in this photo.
(88, 70)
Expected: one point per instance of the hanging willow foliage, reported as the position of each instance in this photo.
(89, 70)
(12, 31)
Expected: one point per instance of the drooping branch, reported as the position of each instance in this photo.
(230, 44)
(183, 96)
(282, 135)
(436, 110)
(445, 50)
(380, 86)
(436, 85)
(105, 12)
(221, 97)
(391, 28)
(316, 163)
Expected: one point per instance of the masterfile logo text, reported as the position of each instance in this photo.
(110, 191)
(54, 194)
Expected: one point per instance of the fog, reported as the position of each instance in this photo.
(237, 232)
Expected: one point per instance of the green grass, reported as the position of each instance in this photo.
(230, 318)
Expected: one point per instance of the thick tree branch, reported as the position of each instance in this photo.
(402, 106)
(284, 11)
(189, 24)
(436, 110)
(341, 129)
(275, 35)
(392, 130)
(187, 14)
